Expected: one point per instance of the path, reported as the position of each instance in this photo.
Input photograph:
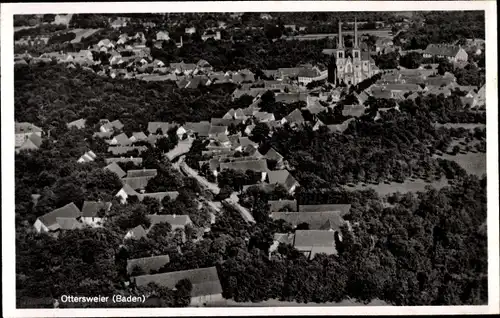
(233, 201)
(182, 147)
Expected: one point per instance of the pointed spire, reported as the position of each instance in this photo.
(355, 33)
(341, 40)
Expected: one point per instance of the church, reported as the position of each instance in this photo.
(352, 65)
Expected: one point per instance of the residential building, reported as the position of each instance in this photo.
(115, 168)
(24, 131)
(91, 211)
(205, 281)
(49, 222)
(453, 53)
(313, 242)
(78, 124)
(325, 220)
(88, 156)
(162, 36)
(284, 178)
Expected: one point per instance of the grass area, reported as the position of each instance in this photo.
(473, 163)
(384, 189)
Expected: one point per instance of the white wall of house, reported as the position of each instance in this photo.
(40, 227)
(122, 195)
(206, 299)
(93, 221)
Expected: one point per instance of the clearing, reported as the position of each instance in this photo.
(473, 163)
(384, 189)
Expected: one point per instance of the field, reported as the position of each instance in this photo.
(305, 37)
(473, 163)
(384, 189)
(82, 33)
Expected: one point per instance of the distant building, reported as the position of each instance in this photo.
(24, 131)
(190, 30)
(453, 53)
(162, 36)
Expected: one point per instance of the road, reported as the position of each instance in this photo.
(233, 201)
(182, 147)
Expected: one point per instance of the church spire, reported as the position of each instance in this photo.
(355, 33)
(341, 40)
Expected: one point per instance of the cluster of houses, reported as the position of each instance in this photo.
(28, 136)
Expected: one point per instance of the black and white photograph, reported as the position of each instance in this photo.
(247, 157)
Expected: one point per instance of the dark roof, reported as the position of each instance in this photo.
(142, 173)
(147, 264)
(273, 155)
(70, 210)
(353, 110)
(172, 219)
(118, 150)
(282, 177)
(205, 281)
(308, 72)
(275, 206)
(290, 97)
(137, 182)
(315, 241)
(343, 208)
(254, 165)
(201, 128)
(90, 208)
(225, 122)
(165, 127)
(316, 220)
(217, 130)
(114, 167)
(442, 49)
(68, 223)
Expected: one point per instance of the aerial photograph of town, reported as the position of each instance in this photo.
(250, 159)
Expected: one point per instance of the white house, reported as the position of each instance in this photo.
(55, 220)
(91, 210)
(24, 132)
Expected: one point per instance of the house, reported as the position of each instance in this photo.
(453, 53)
(342, 208)
(200, 129)
(259, 165)
(172, 195)
(283, 205)
(263, 117)
(137, 183)
(307, 75)
(162, 36)
(122, 39)
(78, 124)
(34, 142)
(289, 98)
(281, 238)
(284, 178)
(186, 68)
(48, 222)
(205, 281)
(272, 154)
(312, 242)
(87, 157)
(136, 233)
(153, 127)
(147, 265)
(243, 76)
(118, 23)
(249, 129)
(266, 16)
(211, 35)
(225, 122)
(190, 30)
(24, 131)
(204, 66)
(91, 212)
(125, 192)
(317, 125)
(290, 26)
(142, 173)
(481, 97)
(324, 220)
(176, 221)
(120, 140)
(340, 128)
(138, 136)
(294, 118)
(353, 110)
(382, 44)
(106, 43)
(111, 126)
(216, 130)
(115, 168)
(120, 150)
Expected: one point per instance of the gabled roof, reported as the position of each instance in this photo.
(290, 97)
(147, 264)
(91, 208)
(217, 130)
(442, 49)
(114, 167)
(139, 136)
(159, 195)
(282, 177)
(263, 116)
(79, 123)
(103, 135)
(137, 182)
(315, 241)
(122, 140)
(118, 150)
(316, 220)
(295, 117)
(353, 110)
(205, 281)
(70, 210)
(165, 127)
(137, 232)
(273, 155)
(343, 208)
(23, 128)
(201, 128)
(245, 141)
(225, 122)
(128, 190)
(172, 219)
(340, 128)
(142, 173)
(259, 165)
(68, 223)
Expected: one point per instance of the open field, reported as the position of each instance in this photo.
(318, 36)
(473, 163)
(384, 189)
(82, 33)
(464, 125)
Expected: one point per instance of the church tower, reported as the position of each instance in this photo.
(356, 52)
(340, 55)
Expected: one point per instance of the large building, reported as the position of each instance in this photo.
(352, 65)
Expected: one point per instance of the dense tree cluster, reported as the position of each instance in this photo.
(43, 29)
(442, 27)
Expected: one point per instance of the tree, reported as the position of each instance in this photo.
(260, 133)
